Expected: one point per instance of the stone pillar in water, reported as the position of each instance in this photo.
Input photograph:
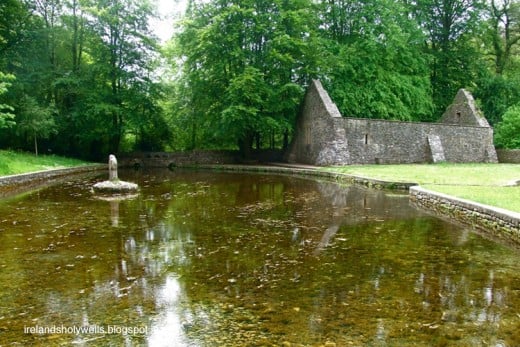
(112, 168)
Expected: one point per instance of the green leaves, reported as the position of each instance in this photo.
(507, 132)
(6, 117)
(245, 62)
(240, 68)
(378, 69)
(35, 120)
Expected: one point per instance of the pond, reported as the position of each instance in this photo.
(226, 259)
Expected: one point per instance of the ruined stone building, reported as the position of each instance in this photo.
(324, 137)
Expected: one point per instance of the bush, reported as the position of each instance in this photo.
(507, 132)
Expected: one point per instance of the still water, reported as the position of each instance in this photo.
(214, 259)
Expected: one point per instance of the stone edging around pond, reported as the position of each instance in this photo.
(498, 222)
(13, 184)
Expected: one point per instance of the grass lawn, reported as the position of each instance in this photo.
(484, 183)
(12, 163)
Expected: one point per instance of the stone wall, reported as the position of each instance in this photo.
(508, 156)
(379, 142)
(14, 184)
(463, 111)
(497, 222)
(323, 137)
(315, 127)
(172, 159)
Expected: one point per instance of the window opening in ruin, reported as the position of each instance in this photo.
(458, 117)
(366, 139)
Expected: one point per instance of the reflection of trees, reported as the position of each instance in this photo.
(415, 285)
(244, 256)
(68, 263)
(270, 271)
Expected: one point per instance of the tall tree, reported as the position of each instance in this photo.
(499, 88)
(35, 121)
(450, 26)
(14, 18)
(50, 12)
(375, 66)
(122, 54)
(504, 23)
(245, 63)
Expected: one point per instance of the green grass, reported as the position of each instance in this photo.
(12, 163)
(484, 183)
(504, 197)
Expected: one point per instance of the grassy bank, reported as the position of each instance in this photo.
(484, 183)
(12, 163)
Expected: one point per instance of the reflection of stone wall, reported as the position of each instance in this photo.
(359, 201)
(323, 137)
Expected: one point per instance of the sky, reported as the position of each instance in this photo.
(168, 10)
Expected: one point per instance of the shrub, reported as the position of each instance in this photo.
(507, 132)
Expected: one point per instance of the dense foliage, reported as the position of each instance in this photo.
(507, 132)
(84, 77)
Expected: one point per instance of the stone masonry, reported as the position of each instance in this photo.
(323, 137)
(497, 222)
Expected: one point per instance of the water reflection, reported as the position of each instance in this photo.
(203, 259)
(167, 327)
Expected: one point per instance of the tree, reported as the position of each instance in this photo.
(87, 69)
(497, 93)
(504, 31)
(507, 132)
(450, 26)
(50, 11)
(245, 63)
(122, 52)
(375, 66)
(146, 119)
(499, 88)
(14, 18)
(35, 121)
(6, 117)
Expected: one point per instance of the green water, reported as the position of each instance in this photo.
(212, 259)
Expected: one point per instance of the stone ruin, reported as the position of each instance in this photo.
(323, 137)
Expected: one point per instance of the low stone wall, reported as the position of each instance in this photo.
(508, 156)
(497, 222)
(14, 184)
(169, 159)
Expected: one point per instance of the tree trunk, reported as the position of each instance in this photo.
(285, 144)
(35, 145)
(245, 145)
